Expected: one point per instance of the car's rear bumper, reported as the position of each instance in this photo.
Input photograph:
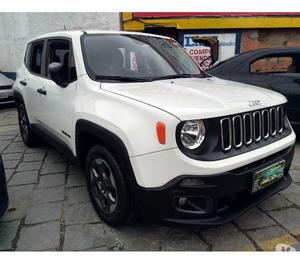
(3, 190)
(221, 197)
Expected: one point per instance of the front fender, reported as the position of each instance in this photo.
(132, 121)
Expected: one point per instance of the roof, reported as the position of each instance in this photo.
(72, 33)
(272, 50)
(267, 51)
(249, 56)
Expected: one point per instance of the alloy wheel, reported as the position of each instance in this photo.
(103, 186)
(23, 123)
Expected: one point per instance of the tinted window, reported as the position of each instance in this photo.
(27, 53)
(60, 51)
(36, 57)
(273, 65)
(136, 56)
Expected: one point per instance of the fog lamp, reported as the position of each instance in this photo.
(192, 182)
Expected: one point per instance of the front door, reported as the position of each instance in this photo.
(58, 104)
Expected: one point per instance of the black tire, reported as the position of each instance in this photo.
(108, 191)
(29, 138)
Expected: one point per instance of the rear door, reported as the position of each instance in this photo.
(283, 76)
(276, 71)
(246, 73)
(288, 84)
(33, 79)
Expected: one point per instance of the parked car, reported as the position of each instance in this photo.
(154, 134)
(277, 69)
(6, 92)
(3, 190)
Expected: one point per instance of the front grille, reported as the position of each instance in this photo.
(248, 128)
(6, 87)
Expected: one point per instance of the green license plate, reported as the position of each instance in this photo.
(268, 175)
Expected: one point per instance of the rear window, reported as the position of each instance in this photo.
(36, 57)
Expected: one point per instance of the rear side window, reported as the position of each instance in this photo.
(281, 64)
(26, 58)
(36, 57)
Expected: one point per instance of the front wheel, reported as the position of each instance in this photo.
(106, 186)
(29, 138)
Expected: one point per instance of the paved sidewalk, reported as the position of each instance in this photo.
(50, 210)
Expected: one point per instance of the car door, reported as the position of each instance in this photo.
(246, 73)
(58, 102)
(283, 77)
(288, 84)
(33, 78)
(293, 105)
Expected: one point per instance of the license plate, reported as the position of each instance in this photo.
(3, 96)
(266, 176)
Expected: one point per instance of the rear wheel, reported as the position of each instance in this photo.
(29, 138)
(107, 188)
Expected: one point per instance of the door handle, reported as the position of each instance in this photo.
(41, 91)
(23, 83)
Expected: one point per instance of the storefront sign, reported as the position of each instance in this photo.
(201, 54)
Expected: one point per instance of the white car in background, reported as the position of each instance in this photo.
(6, 92)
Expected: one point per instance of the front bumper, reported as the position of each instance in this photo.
(220, 197)
(3, 190)
(6, 97)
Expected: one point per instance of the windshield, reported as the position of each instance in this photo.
(136, 58)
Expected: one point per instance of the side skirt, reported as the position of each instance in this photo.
(53, 140)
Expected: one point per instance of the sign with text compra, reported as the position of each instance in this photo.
(201, 54)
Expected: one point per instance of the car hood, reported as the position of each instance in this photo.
(4, 81)
(190, 98)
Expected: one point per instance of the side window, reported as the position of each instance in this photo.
(61, 51)
(273, 65)
(73, 73)
(26, 57)
(36, 57)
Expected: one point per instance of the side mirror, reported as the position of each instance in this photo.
(56, 73)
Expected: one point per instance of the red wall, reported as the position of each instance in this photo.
(209, 14)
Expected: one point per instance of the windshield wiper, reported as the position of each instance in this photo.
(120, 78)
(176, 76)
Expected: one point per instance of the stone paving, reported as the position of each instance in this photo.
(50, 210)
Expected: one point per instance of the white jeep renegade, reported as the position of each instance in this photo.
(154, 133)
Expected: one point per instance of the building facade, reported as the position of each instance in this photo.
(235, 32)
(17, 28)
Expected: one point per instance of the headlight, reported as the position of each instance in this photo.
(192, 134)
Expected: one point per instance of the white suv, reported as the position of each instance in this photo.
(154, 133)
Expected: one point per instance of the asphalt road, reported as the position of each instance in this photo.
(50, 210)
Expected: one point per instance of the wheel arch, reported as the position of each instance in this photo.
(88, 134)
(18, 98)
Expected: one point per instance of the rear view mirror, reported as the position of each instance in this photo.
(56, 73)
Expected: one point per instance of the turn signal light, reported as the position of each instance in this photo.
(161, 132)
